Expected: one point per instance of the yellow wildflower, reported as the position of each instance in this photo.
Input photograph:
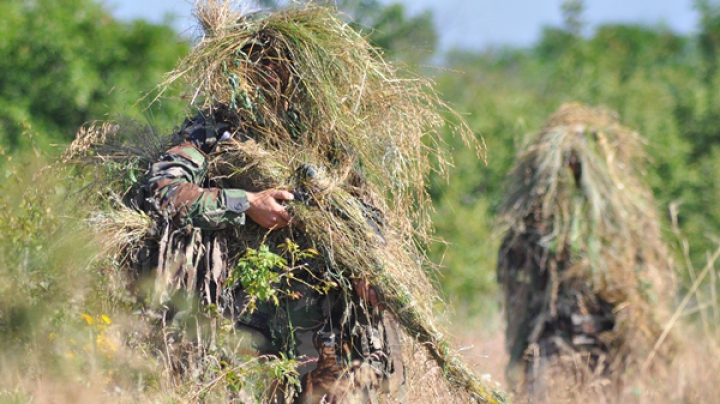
(88, 319)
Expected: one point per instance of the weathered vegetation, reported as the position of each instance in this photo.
(585, 271)
(64, 324)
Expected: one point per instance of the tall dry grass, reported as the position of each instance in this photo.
(692, 376)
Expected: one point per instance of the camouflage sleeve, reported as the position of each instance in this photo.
(175, 185)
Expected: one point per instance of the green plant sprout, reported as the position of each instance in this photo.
(263, 273)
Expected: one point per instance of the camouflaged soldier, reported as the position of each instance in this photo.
(192, 257)
(176, 192)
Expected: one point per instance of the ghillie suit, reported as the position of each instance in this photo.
(352, 139)
(584, 269)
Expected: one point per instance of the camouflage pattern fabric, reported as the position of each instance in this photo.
(175, 182)
(188, 256)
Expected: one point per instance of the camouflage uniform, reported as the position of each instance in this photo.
(346, 334)
(176, 182)
(188, 254)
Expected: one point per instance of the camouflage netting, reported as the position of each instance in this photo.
(340, 127)
(583, 263)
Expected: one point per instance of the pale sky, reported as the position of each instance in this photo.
(475, 24)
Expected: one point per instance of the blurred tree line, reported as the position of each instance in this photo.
(65, 62)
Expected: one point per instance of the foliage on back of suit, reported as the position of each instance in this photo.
(351, 136)
(583, 258)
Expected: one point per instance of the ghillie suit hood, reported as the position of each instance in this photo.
(349, 135)
(583, 248)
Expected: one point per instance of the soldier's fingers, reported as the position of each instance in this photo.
(364, 291)
(283, 195)
(368, 293)
(283, 218)
(372, 296)
(359, 287)
(283, 214)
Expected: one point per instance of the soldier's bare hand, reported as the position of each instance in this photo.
(366, 292)
(266, 210)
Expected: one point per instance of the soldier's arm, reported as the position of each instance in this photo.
(175, 183)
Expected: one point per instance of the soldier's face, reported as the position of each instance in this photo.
(271, 69)
(271, 73)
